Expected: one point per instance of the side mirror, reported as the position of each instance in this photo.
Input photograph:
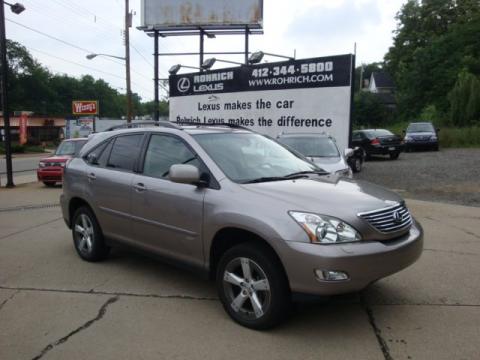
(92, 159)
(438, 130)
(404, 131)
(184, 174)
(348, 152)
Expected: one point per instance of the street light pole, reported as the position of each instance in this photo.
(128, 20)
(17, 9)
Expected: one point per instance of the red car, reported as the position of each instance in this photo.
(50, 170)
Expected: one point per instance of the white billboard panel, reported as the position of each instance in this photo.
(308, 95)
(171, 14)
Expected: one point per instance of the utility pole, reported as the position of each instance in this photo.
(6, 115)
(128, 24)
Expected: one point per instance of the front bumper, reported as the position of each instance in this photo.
(50, 174)
(421, 143)
(364, 262)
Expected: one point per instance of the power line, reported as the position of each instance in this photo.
(57, 39)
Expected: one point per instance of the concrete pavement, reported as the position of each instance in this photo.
(55, 306)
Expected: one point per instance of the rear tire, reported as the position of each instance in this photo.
(394, 155)
(253, 287)
(87, 236)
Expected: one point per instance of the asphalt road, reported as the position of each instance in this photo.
(55, 306)
(451, 175)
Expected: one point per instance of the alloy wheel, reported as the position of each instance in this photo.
(84, 234)
(247, 288)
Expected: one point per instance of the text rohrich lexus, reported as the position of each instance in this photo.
(239, 207)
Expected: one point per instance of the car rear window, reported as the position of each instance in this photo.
(312, 146)
(420, 128)
(378, 133)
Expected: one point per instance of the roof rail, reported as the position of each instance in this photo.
(162, 123)
(192, 123)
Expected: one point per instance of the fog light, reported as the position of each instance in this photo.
(331, 275)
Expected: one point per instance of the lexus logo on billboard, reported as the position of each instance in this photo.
(183, 84)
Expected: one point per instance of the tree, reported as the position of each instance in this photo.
(368, 111)
(465, 100)
(434, 41)
(33, 87)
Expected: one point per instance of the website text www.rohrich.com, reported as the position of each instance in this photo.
(300, 79)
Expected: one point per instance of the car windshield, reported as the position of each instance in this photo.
(378, 133)
(70, 147)
(420, 128)
(312, 146)
(246, 157)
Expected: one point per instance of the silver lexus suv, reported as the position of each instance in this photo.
(240, 208)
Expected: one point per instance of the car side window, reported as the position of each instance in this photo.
(164, 151)
(124, 152)
(93, 156)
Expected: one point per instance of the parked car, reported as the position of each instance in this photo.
(421, 135)
(50, 170)
(240, 208)
(378, 142)
(321, 149)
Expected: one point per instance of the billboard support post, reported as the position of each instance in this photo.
(156, 80)
(201, 48)
(246, 44)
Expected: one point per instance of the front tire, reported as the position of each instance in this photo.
(253, 287)
(49, 183)
(357, 165)
(87, 236)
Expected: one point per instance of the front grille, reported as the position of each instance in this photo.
(57, 164)
(389, 220)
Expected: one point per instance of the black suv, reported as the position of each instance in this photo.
(378, 142)
(421, 135)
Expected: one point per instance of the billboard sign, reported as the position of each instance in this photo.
(191, 14)
(84, 107)
(308, 95)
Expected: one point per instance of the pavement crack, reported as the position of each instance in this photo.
(378, 333)
(8, 299)
(29, 228)
(95, 292)
(100, 315)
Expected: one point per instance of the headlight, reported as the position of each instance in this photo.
(433, 137)
(41, 164)
(407, 138)
(62, 164)
(325, 229)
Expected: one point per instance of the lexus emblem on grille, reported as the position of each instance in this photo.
(183, 84)
(397, 217)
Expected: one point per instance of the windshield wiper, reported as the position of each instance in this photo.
(296, 175)
(303, 173)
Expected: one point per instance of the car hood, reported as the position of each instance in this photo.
(330, 164)
(328, 195)
(56, 158)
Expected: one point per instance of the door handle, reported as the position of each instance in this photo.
(139, 187)
(91, 176)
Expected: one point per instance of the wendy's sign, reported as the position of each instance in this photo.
(85, 107)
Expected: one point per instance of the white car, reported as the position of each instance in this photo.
(322, 149)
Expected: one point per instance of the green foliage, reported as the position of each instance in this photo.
(368, 111)
(465, 100)
(33, 88)
(435, 40)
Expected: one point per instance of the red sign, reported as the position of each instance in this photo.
(84, 107)
(23, 128)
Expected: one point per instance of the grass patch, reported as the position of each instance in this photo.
(21, 149)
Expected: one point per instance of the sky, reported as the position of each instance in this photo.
(310, 28)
